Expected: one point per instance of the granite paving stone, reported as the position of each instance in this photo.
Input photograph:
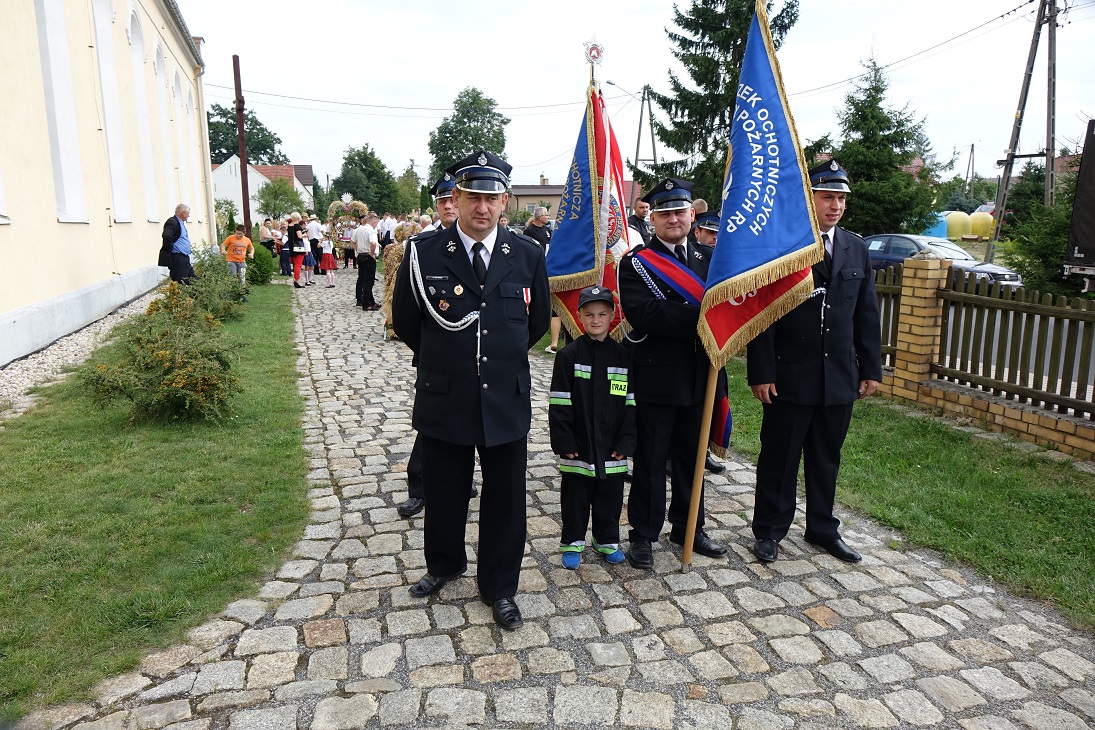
(332, 640)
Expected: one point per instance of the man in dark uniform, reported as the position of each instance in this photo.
(470, 303)
(707, 228)
(446, 209)
(808, 369)
(670, 369)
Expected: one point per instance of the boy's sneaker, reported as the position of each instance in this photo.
(615, 557)
(572, 559)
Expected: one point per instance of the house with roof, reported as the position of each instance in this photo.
(528, 197)
(227, 183)
(104, 134)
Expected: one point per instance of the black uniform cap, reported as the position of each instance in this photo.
(670, 194)
(595, 294)
(830, 176)
(443, 187)
(481, 172)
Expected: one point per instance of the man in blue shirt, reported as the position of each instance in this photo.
(175, 251)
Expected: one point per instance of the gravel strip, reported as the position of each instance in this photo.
(47, 364)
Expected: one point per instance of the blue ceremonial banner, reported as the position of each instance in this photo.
(573, 261)
(768, 236)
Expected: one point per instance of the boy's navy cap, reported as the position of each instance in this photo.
(670, 194)
(708, 221)
(595, 294)
(443, 187)
(830, 176)
(481, 172)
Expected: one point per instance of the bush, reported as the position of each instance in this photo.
(172, 364)
(261, 269)
(214, 290)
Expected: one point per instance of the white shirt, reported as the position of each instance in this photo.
(488, 243)
(365, 240)
(313, 230)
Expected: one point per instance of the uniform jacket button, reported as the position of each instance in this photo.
(483, 305)
(484, 332)
(484, 386)
(484, 358)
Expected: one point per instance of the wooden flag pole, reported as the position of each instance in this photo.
(697, 475)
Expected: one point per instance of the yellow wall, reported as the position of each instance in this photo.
(43, 258)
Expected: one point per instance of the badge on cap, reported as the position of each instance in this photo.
(833, 166)
(668, 184)
(458, 289)
(595, 290)
(443, 305)
(482, 159)
(448, 176)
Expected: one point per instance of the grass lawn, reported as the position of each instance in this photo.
(1025, 521)
(118, 536)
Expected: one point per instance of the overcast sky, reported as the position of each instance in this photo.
(395, 68)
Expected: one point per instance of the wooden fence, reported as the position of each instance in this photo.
(887, 284)
(1025, 346)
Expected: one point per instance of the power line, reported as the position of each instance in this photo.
(411, 108)
(914, 55)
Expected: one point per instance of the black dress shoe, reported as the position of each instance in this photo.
(766, 550)
(506, 613)
(640, 554)
(703, 544)
(430, 584)
(411, 507)
(713, 466)
(838, 549)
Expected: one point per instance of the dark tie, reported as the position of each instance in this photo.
(681, 255)
(828, 247)
(477, 264)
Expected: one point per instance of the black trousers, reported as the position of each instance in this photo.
(447, 470)
(578, 494)
(180, 267)
(791, 432)
(414, 471)
(348, 258)
(366, 277)
(664, 433)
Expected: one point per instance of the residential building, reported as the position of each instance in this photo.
(226, 184)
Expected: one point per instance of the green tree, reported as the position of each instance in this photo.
(321, 198)
(710, 44)
(262, 144)
(225, 212)
(474, 124)
(409, 185)
(278, 198)
(365, 177)
(1025, 197)
(954, 194)
(425, 200)
(878, 142)
(1039, 236)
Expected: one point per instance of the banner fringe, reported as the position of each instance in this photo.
(717, 449)
(793, 297)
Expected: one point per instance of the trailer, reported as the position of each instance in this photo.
(1080, 254)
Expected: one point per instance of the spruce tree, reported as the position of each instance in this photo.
(879, 141)
(710, 41)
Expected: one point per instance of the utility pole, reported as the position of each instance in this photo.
(1009, 154)
(971, 171)
(644, 102)
(241, 135)
(1051, 103)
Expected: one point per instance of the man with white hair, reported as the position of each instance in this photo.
(175, 251)
(426, 222)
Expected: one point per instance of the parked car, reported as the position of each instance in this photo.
(888, 249)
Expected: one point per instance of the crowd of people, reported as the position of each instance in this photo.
(470, 297)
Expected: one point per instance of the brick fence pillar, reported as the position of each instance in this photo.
(920, 320)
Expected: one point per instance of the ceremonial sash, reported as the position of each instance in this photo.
(674, 274)
(684, 281)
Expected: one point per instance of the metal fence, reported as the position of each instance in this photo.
(1025, 346)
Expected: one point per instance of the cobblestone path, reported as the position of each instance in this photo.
(334, 641)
